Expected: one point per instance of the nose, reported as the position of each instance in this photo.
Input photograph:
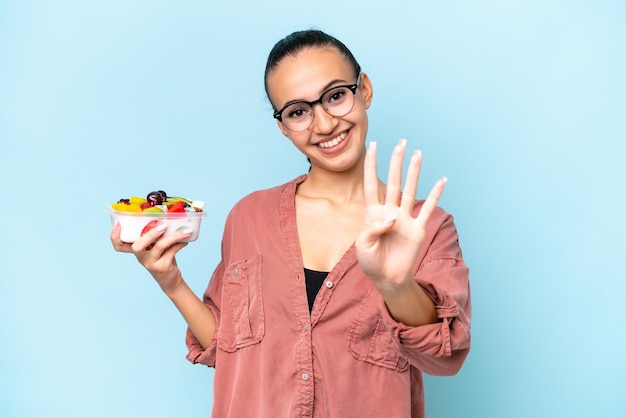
(323, 122)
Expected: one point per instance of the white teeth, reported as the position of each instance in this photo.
(333, 142)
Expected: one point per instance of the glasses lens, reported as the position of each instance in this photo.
(297, 116)
(339, 101)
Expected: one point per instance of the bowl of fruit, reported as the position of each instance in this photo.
(137, 215)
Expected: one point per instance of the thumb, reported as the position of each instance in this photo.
(372, 231)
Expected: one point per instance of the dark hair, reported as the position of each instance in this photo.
(297, 41)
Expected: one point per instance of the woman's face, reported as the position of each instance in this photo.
(332, 143)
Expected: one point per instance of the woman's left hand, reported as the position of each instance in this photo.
(391, 238)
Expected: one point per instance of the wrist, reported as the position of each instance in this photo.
(409, 304)
(175, 289)
(393, 289)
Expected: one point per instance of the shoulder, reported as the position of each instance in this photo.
(263, 200)
(438, 216)
(440, 224)
(260, 211)
(442, 238)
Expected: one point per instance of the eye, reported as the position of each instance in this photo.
(335, 96)
(297, 111)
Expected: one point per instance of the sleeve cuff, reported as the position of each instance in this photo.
(197, 354)
(431, 339)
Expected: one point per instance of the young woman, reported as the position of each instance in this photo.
(335, 291)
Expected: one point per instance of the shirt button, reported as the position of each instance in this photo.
(305, 376)
(236, 272)
(306, 327)
(329, 284)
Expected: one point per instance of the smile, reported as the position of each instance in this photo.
(333, 142)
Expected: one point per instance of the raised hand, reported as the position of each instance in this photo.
(391, 238)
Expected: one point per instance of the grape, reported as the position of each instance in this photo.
(163, 195)
(154, 198)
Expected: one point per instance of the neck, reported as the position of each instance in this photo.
(341, 188)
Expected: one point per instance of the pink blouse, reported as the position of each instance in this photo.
(348, 357)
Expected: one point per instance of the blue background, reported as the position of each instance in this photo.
(520, 103)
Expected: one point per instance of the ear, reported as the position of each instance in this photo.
(367, 91)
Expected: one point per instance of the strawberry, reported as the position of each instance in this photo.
(177, 207)
(152, 224)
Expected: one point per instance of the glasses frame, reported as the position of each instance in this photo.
(352, 87)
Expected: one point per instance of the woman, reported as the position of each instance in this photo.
(335, 291)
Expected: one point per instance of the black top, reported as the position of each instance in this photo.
(314, 280)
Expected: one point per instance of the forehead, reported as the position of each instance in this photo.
(306, 74)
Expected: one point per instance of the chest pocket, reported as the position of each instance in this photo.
(242, 320)
(370, 341)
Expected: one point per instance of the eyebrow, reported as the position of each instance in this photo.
(327, 87)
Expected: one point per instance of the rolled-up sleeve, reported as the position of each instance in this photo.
(197, 354)
(439, 348)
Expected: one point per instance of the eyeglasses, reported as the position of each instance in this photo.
(336, 101)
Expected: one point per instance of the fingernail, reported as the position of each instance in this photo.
(444, 179)
(372, 144)
(187, 230)
(116, 225)
(400, 147)
(162, 226)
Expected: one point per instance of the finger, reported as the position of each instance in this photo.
(412, 179)
(372, 230)
(370, 176)
(156, 244)
(174, 238)
(117, 243)
(147, 240)
(431, 201)
(169, 254)
(159, 255)
(394, 180)
(162, 247)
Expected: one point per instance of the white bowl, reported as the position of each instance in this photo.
(132, 223)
